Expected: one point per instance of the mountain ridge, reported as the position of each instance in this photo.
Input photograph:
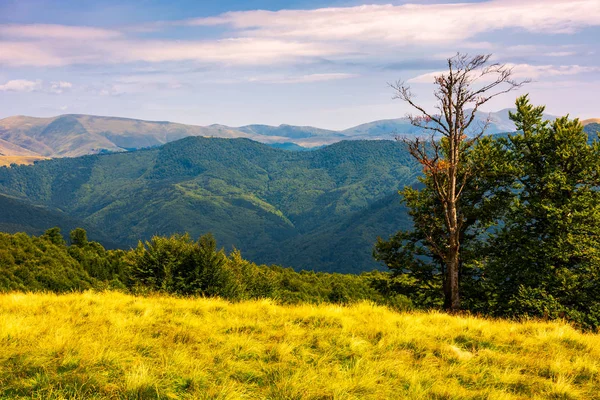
(71, 135)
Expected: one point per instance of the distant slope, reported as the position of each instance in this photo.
(74, 135)
(289, 131)
(591, 121)
(6, 161)
(592, 129)
(272, 204)
(20, 216)
(499, 122)
(11, 149)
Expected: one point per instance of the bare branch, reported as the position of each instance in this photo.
(443, 160)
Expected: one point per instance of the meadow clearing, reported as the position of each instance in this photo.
(112, 345)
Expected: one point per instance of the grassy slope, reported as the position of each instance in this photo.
(6, 161)
(113, 345)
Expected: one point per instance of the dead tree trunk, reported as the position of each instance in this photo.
(469, 83)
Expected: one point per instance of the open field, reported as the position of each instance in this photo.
(6, 161)
(112, 345)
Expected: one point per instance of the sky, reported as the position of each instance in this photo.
(301, 62)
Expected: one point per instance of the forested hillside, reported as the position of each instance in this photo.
(317, 210)
(592, 129)
(21, 216)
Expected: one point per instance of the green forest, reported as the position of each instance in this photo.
(176, 265)
(280, 207)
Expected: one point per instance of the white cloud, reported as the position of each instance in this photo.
(266, 37)
(303, 78)
(24, 85)
(18, 54)
(560, 54)
(21, 85)
(239, 51)
(60, 87)
(412, 23)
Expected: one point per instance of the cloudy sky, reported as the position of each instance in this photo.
(304, 62)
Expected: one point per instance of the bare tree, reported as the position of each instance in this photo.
(469, 83)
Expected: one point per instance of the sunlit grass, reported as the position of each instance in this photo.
(6, 161)
(112, 345)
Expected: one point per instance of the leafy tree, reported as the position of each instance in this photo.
(459, 96)
(548, 250)
(210, 273)
(39, 264)
(78, 237)
(157, 264)
(53, 235)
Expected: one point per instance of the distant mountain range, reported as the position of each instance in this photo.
(75, 135)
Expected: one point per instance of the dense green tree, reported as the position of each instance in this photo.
(53, 235)
(157, 263)
(39, 263)
(545, 259)
(210, 273)
(78, 237)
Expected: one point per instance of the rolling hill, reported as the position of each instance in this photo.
(586, 122)
(592, 129)
(75, 135)
(317, 210)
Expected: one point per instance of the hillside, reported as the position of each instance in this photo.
(6, 161)
(21, 216)
(111, 345)
(591, 121)
(277, 206)
(592, 129)
(74, 135)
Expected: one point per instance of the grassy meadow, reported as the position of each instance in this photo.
(111, 345)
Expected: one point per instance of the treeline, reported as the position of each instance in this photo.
(176, 265)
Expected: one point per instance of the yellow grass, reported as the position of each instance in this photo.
(5, 161)
(112, 345)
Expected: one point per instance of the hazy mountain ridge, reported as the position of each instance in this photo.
(73, 135)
